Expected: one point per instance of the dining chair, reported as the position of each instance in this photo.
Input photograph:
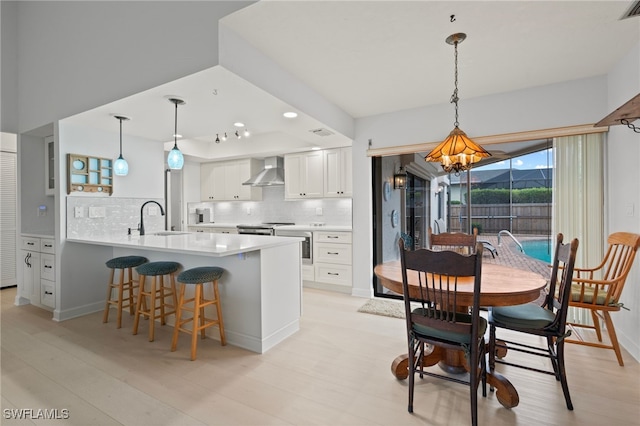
(599, 289)
(453, 241)
(438, 321)
(548, 320)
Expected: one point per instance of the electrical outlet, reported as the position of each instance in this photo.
(249, 210)
(77, 212)
(629, 208)
(318, 211)
(95, 212)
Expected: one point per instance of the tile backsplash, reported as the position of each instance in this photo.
(274, 208)
(102, 216)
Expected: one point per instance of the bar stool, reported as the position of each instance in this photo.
(157, 293)
(198, 277)
(122, 263)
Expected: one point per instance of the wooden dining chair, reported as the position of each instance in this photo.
(438, 321)
(548, 320)
(452, 241)
(599, 289)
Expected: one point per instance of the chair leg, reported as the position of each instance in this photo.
(176, 327)
(152, 308)
(139, 303)
(105, 316)
(553, 356)
(120, 297)
(563, 374)
(131, 293)
(596, 324)
(411, 375)
(196, 318)
(216, 294)
(613, 337)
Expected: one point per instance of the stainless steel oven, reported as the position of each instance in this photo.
(307, 244)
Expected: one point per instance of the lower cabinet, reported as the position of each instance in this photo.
(332, 258)
(38, 271)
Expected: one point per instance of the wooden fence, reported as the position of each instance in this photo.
(533, 219)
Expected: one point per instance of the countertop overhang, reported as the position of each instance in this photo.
(207, 244)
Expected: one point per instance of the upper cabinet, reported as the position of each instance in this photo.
(222, 181)
(337, 172)
(303, 175)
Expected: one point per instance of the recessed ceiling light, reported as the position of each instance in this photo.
(290, 114)
(238, 124)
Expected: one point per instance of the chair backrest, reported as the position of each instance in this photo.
(564, 259)
(437, 273)
(439, 226)
(618, 260)
(452, 241)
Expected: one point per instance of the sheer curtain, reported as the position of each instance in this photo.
(578, 199)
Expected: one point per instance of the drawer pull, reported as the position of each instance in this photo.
(31, 244)
(48, 266)
(49, 293)
(329, 252)
(332, 236)
(332, 273)
(48, 245)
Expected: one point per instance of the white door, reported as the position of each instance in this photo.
(8, 206)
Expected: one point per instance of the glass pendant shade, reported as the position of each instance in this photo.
(175, 159)
(457, 152)
(121, 167)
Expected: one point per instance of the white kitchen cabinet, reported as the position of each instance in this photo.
(38, 271)
(337, 172)
(333, 258)
(222, 181)
(303, 175)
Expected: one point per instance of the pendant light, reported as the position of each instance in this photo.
(457, 152)
(175, 159)
(120, 166)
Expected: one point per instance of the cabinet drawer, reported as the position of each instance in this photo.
(46, 246)
(332, 237)
(308, 273)
(31, 243)
(47, 294)
(333, 253)
(333, 274)
(47, 267)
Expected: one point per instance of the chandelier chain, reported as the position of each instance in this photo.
(454, 96)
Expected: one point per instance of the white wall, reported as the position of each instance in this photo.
(75, 56)
(623, 190)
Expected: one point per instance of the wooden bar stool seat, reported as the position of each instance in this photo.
(123, 263)
(198, 277)
(157, 294)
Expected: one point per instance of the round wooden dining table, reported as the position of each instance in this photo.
(500, 286)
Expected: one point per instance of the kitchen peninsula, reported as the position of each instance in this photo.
(260, 290)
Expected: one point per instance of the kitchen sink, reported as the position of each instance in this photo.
(166, 233)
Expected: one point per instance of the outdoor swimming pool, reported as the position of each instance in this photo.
(538, 249)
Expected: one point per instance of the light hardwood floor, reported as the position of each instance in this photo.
(334, 371)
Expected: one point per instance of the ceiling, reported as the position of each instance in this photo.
(375, 57)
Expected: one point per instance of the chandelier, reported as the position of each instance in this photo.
(457, 152)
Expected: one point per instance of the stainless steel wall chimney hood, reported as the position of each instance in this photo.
(272, 174)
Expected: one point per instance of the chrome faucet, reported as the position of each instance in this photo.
(141, 226)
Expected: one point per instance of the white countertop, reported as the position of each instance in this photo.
(300, 227)
(207, 244)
